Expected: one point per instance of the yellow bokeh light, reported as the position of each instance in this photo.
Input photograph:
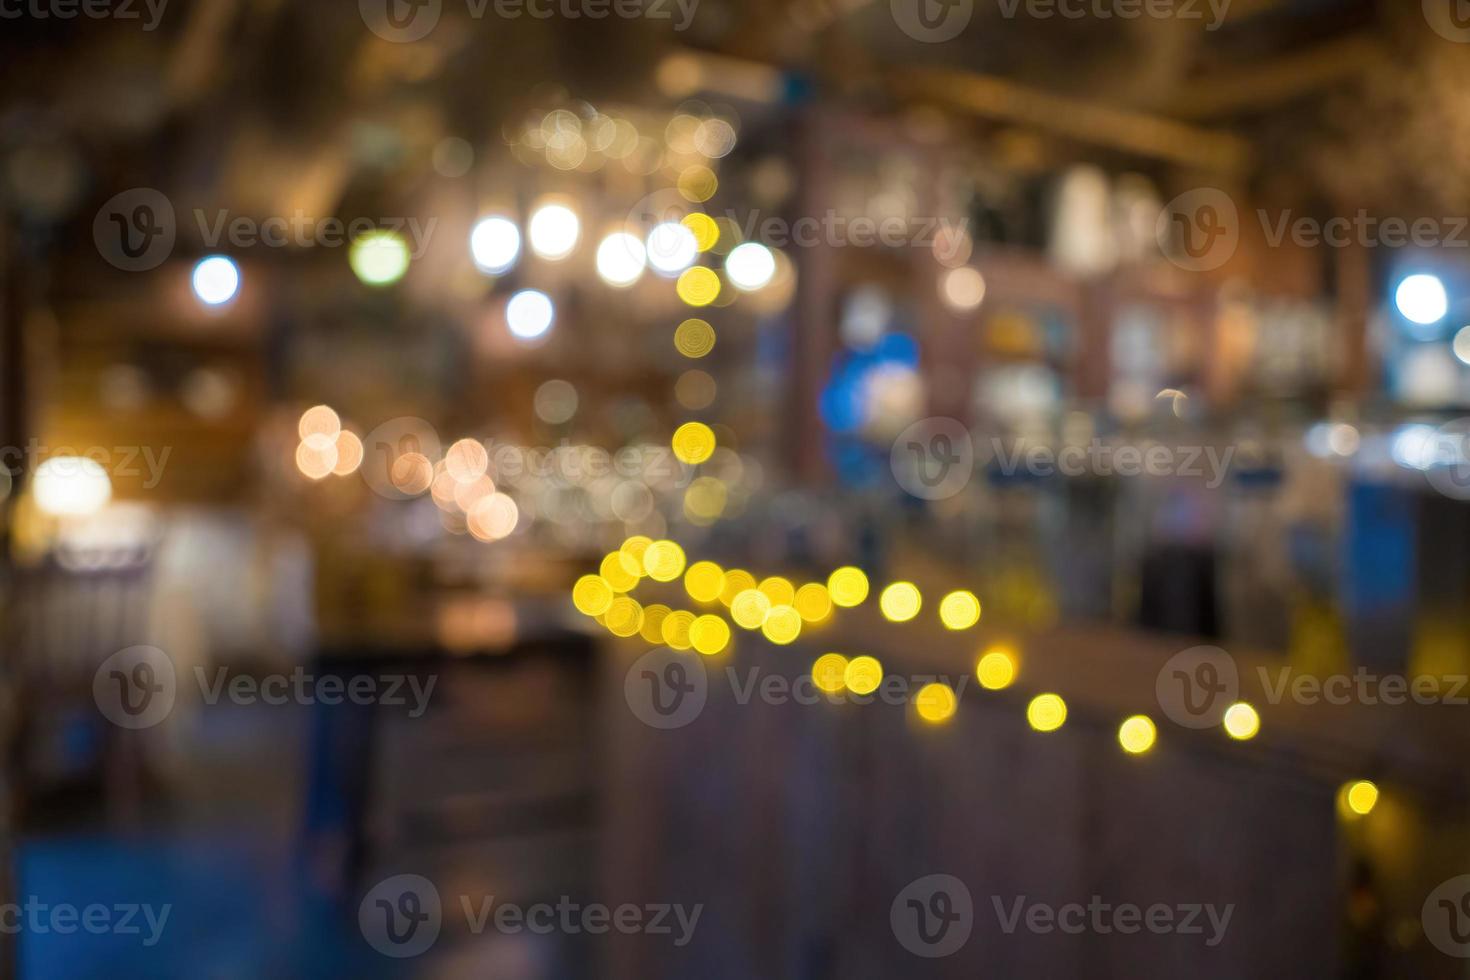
(863, 675)
(737, 580)
(959, 610)
(411, 473)
(616, 573)
(779, 590)
(1357, 799)
(592, 595)
(935, 703)
(698, 286)
(695, 390)
(900, 602)
(663, 561)
(1046, 712)
(624, 616)
(632, 553)
(996, 669)
(676, 628)
(813, 602)
(1137, 734)
(693, 443)
(829, 673)
(704, 500)
(653, 622)
(694, 338)
(848, 587)
(782, 625)
(709, 635)
(749, 609)
(1241, 721)
(704, 580)
(698, 183)
(706, 230)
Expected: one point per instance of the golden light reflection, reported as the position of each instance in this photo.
(1046, 712)
(624, 616)
(653, 622)
(709, 635)
(694, 338)
(996, 669)
(695, 390)
(1357, 799)
(863, 675)
(466, 461)
(779, 590)
(616, 573)
(316, 457)
(782, 625)
(319, 420)
(959, 610)
(592, 595)
(829, 673)
(697, 183)
(1241, 721)
(813, 602)
(411, 473)
(848, 586)
(935, 703)
(663, 561)
(693, 443)
(676, 628)
(704, 500)
(1137, 734)
(704, 228)
(632, 553)
(900, 602)
(704, 581)
(749, 608)
(698, 286)
(493, 517)
(737, 580)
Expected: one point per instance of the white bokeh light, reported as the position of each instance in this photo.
(672, 248)
(216, 280)
(529, 314)
(750, 266)
(621, 259)
(1422, 299)
(71, 486)
(554, 231)
(495, 244)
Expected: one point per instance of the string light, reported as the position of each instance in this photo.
(935, 703)
(216, 280)
(1046, 712)
(900, 602)
(1357, 798)
(829, 673)
(495, 244)
(996, 670)
(1241, 721)
(1137, 735)
(848, 586)
(863, 675)
(959, 610)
